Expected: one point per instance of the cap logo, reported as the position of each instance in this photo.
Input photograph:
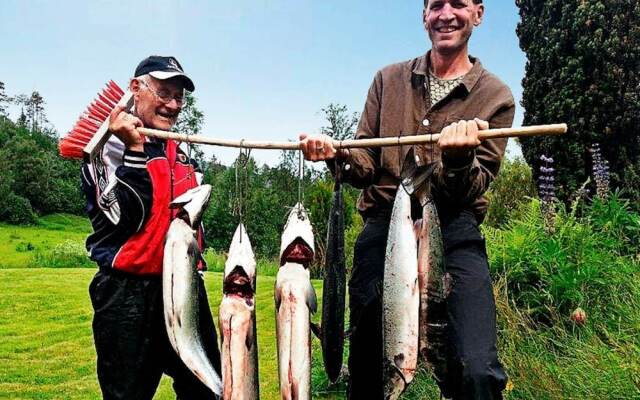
(173, 64)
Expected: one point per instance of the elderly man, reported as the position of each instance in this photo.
(444, 90)
(128, 189)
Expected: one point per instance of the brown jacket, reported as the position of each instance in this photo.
(397, 104)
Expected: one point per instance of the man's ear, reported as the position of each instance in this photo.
(134, 85)
(424, 18)
(479, 14)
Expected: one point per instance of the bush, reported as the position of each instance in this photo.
(513, 184)
(589, 262)
(16, 210)
(68, 254)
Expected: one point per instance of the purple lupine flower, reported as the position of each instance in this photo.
(547, 192)
(600, 169)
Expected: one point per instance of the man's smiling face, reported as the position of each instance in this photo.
(153, 111)
(450, 23)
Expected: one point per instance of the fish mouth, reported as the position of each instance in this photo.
(298, 252)
(238, 283)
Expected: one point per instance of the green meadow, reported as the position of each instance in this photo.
(46, 345)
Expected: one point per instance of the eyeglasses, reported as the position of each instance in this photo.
(164, 95)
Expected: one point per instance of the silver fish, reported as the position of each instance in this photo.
(295, 300)
(434, 284)
(238, 321)
(180, 285)
(433, 280)
(400, 300)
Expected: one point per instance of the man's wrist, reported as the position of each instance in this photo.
(137, 147)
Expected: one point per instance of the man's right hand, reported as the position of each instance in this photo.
(319, 147)
(123, 125)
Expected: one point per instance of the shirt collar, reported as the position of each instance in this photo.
(470, 79)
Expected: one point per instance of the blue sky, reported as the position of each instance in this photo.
(262, 69)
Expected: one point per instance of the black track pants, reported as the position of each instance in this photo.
(131, 339)
(475, 372)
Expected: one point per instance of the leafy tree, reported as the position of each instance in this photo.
(583, 68)
(341, 122)
(190, 122)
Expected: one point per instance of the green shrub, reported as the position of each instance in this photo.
(508, 191)
(23, 247)
(68, 254)
(588, 261)
(16, 210)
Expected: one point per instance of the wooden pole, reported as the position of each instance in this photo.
(536, 130)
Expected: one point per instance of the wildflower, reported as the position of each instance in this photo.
(547, 192)
(509, 386)
(600, 169)
(578, 316)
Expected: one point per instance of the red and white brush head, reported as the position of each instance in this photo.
(72, 145)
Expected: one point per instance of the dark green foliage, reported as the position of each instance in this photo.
(589, 261)
(583, 68)
(513, 184)
(34, 177)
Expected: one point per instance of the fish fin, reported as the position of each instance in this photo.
(277, 296)
(417, 227)
(316, 329)
(416, 179)
(312, 301)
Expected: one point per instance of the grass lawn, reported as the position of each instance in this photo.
(47, 352)
(33, 246)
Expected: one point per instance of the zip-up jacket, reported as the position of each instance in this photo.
(128, 195)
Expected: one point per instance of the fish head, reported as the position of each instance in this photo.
(240, 267)
(192, 203)
(416, 179)
(297, 244)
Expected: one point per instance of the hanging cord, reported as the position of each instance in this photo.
(189, 175)
(300, 181)
(242, 182)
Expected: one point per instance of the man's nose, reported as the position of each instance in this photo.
(173, 104)
(446, 14)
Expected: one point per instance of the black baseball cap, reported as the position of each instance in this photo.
(163, 68)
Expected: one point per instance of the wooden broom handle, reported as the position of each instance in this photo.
(536, 130)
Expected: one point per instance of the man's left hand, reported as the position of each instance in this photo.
(460, 138)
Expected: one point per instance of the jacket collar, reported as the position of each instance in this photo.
(422, 65)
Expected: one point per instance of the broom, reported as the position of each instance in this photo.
(90, 133)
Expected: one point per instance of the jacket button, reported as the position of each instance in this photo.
(425, 122)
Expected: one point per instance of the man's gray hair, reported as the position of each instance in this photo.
(474, 2)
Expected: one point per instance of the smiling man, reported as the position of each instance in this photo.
(446, 90)
(128, 188)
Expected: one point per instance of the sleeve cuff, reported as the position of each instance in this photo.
(135, 159)
(343, 162)
(453, 165)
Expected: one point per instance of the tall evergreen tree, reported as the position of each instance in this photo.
(4, 101)
(583, 68)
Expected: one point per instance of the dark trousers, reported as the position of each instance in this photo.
(475, 372)
(131, 339)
